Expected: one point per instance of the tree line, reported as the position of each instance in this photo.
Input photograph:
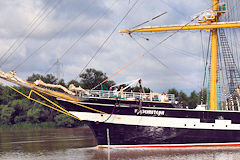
(17, 111)
(190, 101)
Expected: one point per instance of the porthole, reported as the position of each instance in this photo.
(212, 125)
(226, 125)
(185, 125)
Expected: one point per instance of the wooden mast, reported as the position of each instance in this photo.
(213, 80)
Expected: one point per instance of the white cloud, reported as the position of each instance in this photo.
(118, 51)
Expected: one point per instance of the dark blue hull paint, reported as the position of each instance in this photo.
(141, 135)
(121, 134)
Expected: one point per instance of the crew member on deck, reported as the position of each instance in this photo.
(115, 92)
(121, 92)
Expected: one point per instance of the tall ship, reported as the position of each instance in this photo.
(122, 119)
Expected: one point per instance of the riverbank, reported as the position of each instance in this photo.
(28, 125)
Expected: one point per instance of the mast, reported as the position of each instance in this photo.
(209, 21)
(213, 80)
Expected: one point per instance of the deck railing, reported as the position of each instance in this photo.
(131, 95)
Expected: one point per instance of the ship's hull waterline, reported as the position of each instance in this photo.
(127, 125)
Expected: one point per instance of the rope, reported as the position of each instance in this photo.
(157, 59)
(224, 94)
(118, 71)
(55, 6)
(35, 19)
(68, 50)
(150, 20)
(206, 62)
(56, 34)
(98, 50)
(165, 39)
(205, 65)
(174, 9)
(177, 50)
(113, 110)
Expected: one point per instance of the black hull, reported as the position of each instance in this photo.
(162, 126)
(141, 135)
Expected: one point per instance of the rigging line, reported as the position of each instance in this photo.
(157, 59)
(55, 6)
(221, 70)
(165, 39)
(175, 9)
(82, 35)
(193, 54)
(149, 20)
(203, 56)
(236, 44)
(148, 51)
(206, 62)
(202, 46)
(139, 57)
(98, 50)
(205, 66)
(234, 48)
(34, 20)
(56, 34)
(180, 51)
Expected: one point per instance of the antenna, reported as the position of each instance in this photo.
(59, 67)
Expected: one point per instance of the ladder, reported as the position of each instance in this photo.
(232, 72)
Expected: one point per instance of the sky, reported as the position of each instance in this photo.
(47, 30)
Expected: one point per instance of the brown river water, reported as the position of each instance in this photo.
(79, 144)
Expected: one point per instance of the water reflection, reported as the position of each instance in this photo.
(79, 143)
(45, 140)
(229, 153)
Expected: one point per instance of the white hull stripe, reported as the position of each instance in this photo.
(237, 144)
(172, 122)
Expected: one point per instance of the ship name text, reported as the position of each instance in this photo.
(149, 112)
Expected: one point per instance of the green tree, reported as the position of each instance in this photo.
(21, 106)
(38, 113)
(33, 115)
(7, 115)
(74, 82)
(63, 120)
(61, 82)
(92, 77)
(49, 78)
(173, 91)
(6, 95)
(193, 100)
(183, 98)
(137, 89)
